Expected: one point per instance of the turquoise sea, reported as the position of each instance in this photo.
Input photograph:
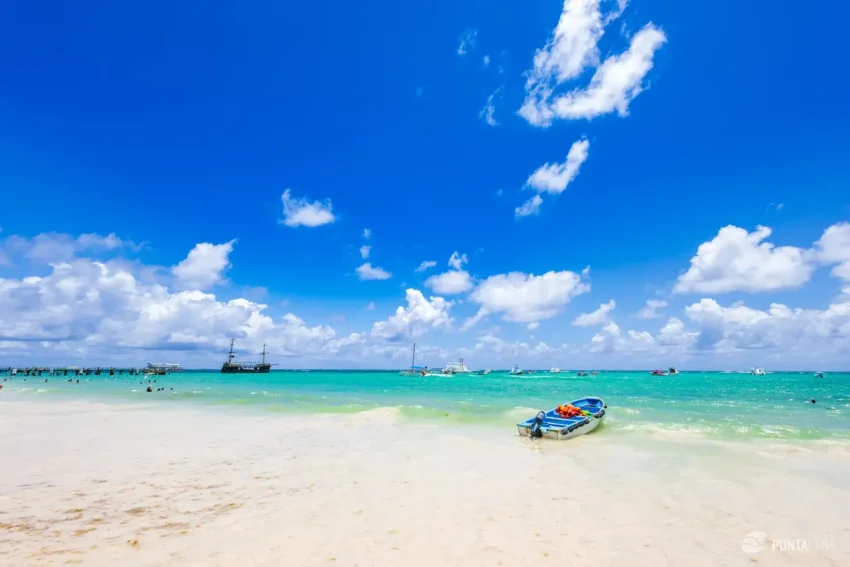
(711, 404)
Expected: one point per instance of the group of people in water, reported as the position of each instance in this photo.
(150, 387)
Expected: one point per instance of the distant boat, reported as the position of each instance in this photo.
(456, 368)
(584, 415)
(658, 373)
(483, 372)
(516, 371)
(581, 373)
(757, 371)
(160, 369)
(232, 367)
(818, 374)
(594, 372)
(672, 371)
(414, 370)
(555, 371)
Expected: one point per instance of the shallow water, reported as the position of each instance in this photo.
(709, 404)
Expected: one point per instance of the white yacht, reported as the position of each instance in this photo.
(456, 368)
(673, 370)
(757, 371)
(555, 371)
(516, 371)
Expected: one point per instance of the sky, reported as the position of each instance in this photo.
(570, 183)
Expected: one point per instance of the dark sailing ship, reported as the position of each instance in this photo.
(232, 367)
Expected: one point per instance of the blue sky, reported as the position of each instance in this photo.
(170, 126)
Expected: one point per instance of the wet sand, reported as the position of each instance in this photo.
(145, 485)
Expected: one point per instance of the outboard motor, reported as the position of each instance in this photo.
(534, 430)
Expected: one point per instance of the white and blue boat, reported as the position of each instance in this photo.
(552, 426)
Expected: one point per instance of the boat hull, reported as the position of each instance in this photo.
(560, 429)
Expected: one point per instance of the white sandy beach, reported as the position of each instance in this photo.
(130, 485)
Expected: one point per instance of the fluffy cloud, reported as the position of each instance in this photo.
(651, 309)
(59, 247)
(616, 82)
(530, 207)
(456, 261)
(204, 267)
(467, 41)
(573, 48)
(364, 251)
(834, 248)
(738, 327)
(598, 317)
(426, 265)
(420, 316)
(554, 177)
(451, 282)
(367, 234)
(474, 320)
(526, 298)
(301, 212)
(735, 260)
(87, 306)
(367, 271)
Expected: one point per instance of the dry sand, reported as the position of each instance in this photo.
(117, 485)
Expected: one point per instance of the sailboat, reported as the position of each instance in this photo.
(414, 370)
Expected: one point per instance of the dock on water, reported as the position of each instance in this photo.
(150, 369)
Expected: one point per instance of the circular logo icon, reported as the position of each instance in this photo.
(754, 542)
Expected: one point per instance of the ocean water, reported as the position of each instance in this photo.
(706, 404)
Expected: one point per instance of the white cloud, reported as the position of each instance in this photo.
(810, 332)
(616, 82)
(739, 261)
(301, 212)
(673, 333)
(426, 265)
(419, 317)
(573, 48)
(833, 247)
(467, 41)
(364, 251)
(486, 60)
(530, 207)
(488, 112)
(532, 326)
(554, 177)
(367, 234)
(456, 261)
(651, 309)
(525, 298)
(451, 282)
(204, 267)
(370, 306)
(87, 306)
(474, 320)
(369, 272)
(598, 317)
(59, 247)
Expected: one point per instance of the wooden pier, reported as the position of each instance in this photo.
(80, 371)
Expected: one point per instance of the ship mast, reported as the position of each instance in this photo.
(413, 362)
(264, 353)
(230, 355)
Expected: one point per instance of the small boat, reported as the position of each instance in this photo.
(757, 371)
(516, 371)
(456, 368)
(818, 374)
(658, 373)
(414, 370)
(551, 425)
(594, 372)
(555, 371)
(673, 371)
(581, 373)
